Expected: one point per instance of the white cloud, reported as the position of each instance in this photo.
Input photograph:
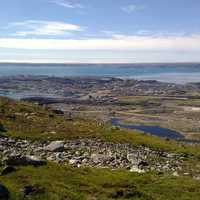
(45, 28)
(116, 42)
(67, 4)
(132, 8)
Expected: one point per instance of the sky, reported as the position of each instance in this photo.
(99, 31)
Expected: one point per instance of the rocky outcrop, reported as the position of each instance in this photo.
(86, 152)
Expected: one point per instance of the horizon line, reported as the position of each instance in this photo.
(87, 63)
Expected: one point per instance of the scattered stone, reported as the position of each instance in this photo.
(97, 158)
(136, 169)
(132, 158)
(186, 174)
(175, 174)
(197, 178)
(73, 162)
(88, 152)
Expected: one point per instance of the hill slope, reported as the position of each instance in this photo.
(35, 125)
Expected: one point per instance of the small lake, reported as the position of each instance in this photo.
(153, 130)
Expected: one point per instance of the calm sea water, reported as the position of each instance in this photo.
(177, 73)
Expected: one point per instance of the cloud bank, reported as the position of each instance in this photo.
(116, 42)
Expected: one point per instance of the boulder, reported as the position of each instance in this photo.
(4, 193)
(24, 160)
(55, 146)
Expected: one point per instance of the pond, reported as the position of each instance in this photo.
(153, 130)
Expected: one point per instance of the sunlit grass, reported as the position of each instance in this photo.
(65, 182)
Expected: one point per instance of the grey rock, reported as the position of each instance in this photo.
(97, 158)
(88, 152)
(55, 146)
(132, 158)
(51, 158)
(136, 169)
(74, 162)
(175, 174)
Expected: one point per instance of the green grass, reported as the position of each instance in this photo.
(24, 120)
(68, 183)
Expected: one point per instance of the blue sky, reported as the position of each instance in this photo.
(100, 30)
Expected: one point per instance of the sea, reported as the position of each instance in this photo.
(180, 73)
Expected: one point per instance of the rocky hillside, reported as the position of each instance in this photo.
(47, 155)
(92, 153)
